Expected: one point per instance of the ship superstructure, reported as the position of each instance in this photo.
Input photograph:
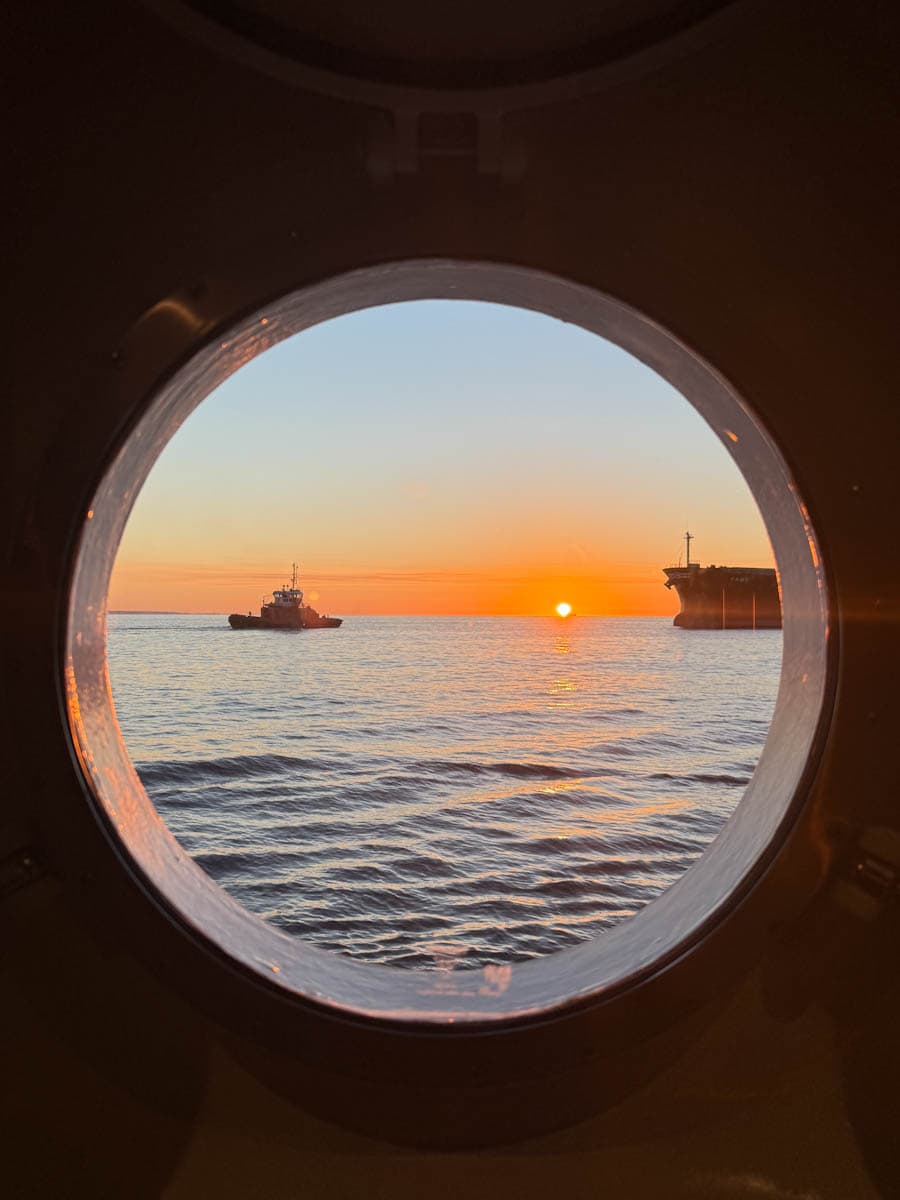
(724, 597)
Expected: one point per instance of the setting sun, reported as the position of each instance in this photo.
(563, 609)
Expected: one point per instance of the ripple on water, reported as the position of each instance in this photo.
(491, 790)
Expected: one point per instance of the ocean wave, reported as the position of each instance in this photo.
(413, 786)
(688, 779)
(245, 766)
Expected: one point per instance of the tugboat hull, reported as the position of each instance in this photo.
(306, 620)
(239, 621)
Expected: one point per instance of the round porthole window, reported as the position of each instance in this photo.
(488, 960)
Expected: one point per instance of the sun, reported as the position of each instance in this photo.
(563, 609)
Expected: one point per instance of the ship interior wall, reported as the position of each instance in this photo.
(730, 178)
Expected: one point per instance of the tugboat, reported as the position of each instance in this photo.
(285, 610)
(724, 597)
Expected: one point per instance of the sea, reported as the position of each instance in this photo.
(418, 790)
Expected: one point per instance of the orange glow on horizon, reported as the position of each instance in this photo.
(617, 589)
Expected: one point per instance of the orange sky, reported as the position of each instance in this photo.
(437, 457)
(621, 590)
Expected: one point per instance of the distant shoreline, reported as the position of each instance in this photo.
(159, 612)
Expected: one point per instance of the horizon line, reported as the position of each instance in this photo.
(184, 612)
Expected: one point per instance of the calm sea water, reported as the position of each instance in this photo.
(404, 789)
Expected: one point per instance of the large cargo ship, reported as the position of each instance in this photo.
(285, 610)
(724, 597)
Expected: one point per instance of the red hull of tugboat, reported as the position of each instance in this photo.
(309, 619)
(239, 621)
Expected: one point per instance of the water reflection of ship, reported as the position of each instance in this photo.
(285, 610)
(724, 597)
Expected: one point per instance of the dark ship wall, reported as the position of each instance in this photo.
(726, 597)
(734, 186)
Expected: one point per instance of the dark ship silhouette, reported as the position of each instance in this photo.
(724, 597)
(285, 610)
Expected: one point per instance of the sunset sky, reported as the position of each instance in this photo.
(436, 457)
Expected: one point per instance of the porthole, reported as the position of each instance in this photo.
(598, 968)
(474, 771)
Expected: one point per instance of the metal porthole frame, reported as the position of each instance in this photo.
(340, 1019)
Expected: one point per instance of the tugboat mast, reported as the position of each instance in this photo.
(687, 541)
(293, 577)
